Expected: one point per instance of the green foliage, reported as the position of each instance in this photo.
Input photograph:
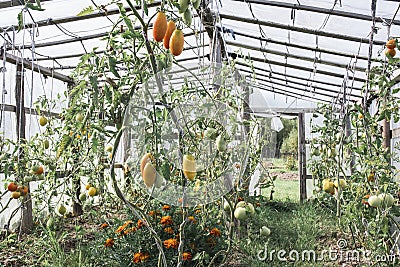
(289, 126)
(290, 143)
(291, 163)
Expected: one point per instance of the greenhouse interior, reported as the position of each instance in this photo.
(182, 133)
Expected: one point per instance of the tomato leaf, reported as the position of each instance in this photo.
(112, 63)
(86, 11)
(33, 7)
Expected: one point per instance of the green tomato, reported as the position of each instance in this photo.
(79, 117)
(240, 213)
(387, 200)
(220, 143)
(82, 197)
(227, 208)
(50, 223)
(265, 231)
(374, 201)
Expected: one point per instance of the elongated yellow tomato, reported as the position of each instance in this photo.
(170, 29)
(149, 174)
(160, 26)
(148, 157)
(189, 167)
(177, 42)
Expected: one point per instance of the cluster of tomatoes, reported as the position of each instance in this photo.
(390, 48)
(167, 32)
(17, 190)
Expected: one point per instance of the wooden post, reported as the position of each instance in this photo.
(386, 134)
(26, 207)
(302, 158)
(76, 181)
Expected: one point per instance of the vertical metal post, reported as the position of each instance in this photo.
(302, 157)
(26, 208)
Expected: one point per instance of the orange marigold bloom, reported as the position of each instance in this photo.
(104, 225)
(130, 230)
(139, 257)
(192, 219)
(127, 223)
(140, 223)
(186, 256)
(215, 232)
(166, 207)
(122, 227)
(166, 220)
(109, 242)
(153, 213)
(197, 211)
(169, 230)
(171, 243)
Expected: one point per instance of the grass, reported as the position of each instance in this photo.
(293, 227)
(280, 165)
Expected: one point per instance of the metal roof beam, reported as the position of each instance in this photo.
(14, 3)
(319, 10)
(62, 20)
(299, 29)
(298, 83)
(289, 55)
(323, 72)
(301, 89)
(290, 76)
(78, 39)
(35, 67)
(314, 49)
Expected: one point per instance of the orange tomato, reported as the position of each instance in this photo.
(177, 42)
(391, 44)
(390, 52)
(12, 187)
(170, 29)
(160, 26)
(23, 189)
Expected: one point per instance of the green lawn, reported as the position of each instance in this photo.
(287, 190)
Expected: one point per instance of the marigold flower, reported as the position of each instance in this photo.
(197, 211)
(104, 225)
(166, 220)
(130, 230)
(192, 219)
(186, 256)
(215, 232)
(153, 213)
(166, 207)
(109, 242)
(122, 227)
(140, 223)
(128, 223)
(171, 243)
(169, 230)
(139, 257)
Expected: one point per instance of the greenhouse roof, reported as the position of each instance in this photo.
(302, 51)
